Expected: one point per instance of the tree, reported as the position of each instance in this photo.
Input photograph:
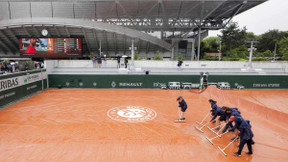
(232, 36)
(157, 56)
(240, 52)
(212, 44)
(136, 56)
(251, 36)
(283, 48)
(268, 40)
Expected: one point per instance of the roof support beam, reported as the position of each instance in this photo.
(191, 9)
(26, 31)
(107, 43)
(57, 31)
(235, 13)
(139, 45)
(4, 45)
(95, 39)
(220, 4)
(115, 38)
(16, 40)
(223, 13)
(3, 48)
(67, 31)
(147, 47)
(36, 31)
(86, 40)
(13, 45)
(125, 42)
(150, 10)
(178, 14)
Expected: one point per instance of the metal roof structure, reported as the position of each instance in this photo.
(114, 22)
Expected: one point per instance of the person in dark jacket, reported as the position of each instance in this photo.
(183, 106)
(218, 112)
(126, 62)
(99, 61)
(213, 107)
(245, 134)
(228, 112)
(118, 61)
(213, 104)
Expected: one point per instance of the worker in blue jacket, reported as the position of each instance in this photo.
(228, 113)
(183, 106)
(213, 104)
(245, 134)
(213, 108)
(218, 112)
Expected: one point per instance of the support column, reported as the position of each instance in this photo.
(132, 54)
(100, 48)
(175, 49)
(251, 54)
(199, 42)
(193, 49)
(172, 54)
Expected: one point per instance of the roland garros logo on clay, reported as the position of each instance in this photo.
(131, 114)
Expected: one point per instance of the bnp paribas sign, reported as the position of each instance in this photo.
(14, 82)
(8, 83)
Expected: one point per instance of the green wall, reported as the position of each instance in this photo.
(155, 81)
(25, 86)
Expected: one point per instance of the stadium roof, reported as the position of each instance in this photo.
(114, 22)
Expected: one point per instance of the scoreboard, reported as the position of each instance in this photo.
(50, 47)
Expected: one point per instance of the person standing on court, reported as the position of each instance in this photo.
(245, 134)
(183, 106)
(105, 61)
(126, 62)
(118, 61)
(94, 61)
(99, 61)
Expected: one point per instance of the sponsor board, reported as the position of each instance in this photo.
(9, 83)
(159, 85)
(114, 84)
(7, 95)
(261, 85)
(131, 114)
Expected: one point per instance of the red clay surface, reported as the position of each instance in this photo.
(72, 125)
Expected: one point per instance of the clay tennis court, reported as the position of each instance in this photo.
(75, 125)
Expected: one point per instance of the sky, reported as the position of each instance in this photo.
(272, 14)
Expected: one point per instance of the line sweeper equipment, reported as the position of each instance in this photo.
(200, 129)
(222, 150)
(210, 139)
(201, 123)
(212, 129)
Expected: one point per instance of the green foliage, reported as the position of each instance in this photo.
(91, 55)
(260, 59)
(136, 56)
(108, 56)
(211, 44)
(181, 58)
(157, 56)
(251, 36)
(233, 59)
(283, 48)
(207, 58)
(268, 53)
(267, 40)
(232, 37)
(240, 52)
